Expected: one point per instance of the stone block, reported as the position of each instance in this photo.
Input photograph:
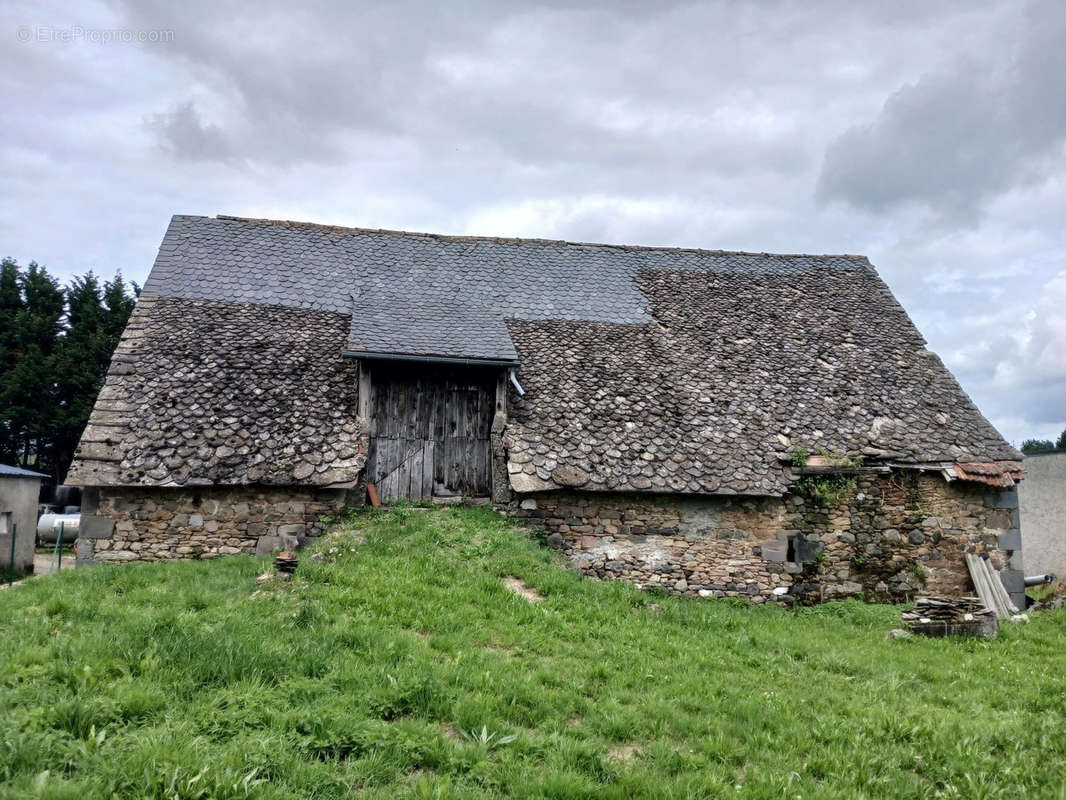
(266, 545)
(808, 550)
(774, 550)
(94, 527)
(1011, 540)
(85, 551)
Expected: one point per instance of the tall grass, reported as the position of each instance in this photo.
(402, 667)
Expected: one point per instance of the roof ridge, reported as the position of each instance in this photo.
(531, 240)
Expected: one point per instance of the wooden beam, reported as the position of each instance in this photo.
(364, 390)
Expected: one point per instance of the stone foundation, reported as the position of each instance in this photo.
(891, 537)
(134, 524)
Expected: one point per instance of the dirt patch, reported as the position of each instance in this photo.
(449, 732)
(518, 586)
(574, 721)
(624, 753)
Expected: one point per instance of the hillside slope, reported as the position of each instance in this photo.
(401, 665)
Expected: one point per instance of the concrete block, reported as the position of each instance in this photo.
(1013, 580)
(94, 527)
(1011, 540)
(1018, 598)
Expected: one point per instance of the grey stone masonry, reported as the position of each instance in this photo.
(790, 548)
(151, 524)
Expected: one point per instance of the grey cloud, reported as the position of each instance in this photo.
(962, 134)
(185, 134)
(599, 84)
(695, 124)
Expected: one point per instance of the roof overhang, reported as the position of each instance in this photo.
(430, 359)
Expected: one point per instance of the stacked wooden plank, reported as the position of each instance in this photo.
(989, 587)
(940, 616)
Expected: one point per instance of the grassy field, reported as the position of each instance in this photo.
(403, 667)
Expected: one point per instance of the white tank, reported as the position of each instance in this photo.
(48, 527)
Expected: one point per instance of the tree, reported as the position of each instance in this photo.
(33, 302)
(96, 317)
(1033, 446)
(55, 347)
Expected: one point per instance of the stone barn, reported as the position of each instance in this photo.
(713, 423)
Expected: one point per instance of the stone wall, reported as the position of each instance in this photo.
(148, 524)
(890, 537)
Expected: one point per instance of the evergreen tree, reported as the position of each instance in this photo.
(95, 320)
(1033, 446)
(55, 346)
(27, 342)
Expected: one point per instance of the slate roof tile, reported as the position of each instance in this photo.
(203, 392)
(647, 369)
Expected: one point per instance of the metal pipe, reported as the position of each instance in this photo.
(1039, 580)
(59, 548)
(11, 564)
(517, 385)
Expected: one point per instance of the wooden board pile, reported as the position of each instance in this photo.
(989, 586)
(941, 616)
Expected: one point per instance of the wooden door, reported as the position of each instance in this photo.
(430, 431)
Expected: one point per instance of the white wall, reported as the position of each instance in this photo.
(18, 496)
(1042, 500)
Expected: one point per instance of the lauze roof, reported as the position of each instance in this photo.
(647, 369)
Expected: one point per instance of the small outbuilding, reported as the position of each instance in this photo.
(19, 490)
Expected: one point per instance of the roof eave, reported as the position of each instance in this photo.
(431, 359)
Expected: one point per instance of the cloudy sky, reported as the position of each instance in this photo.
(930, 136)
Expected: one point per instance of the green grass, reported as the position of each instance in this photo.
(406, 669)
